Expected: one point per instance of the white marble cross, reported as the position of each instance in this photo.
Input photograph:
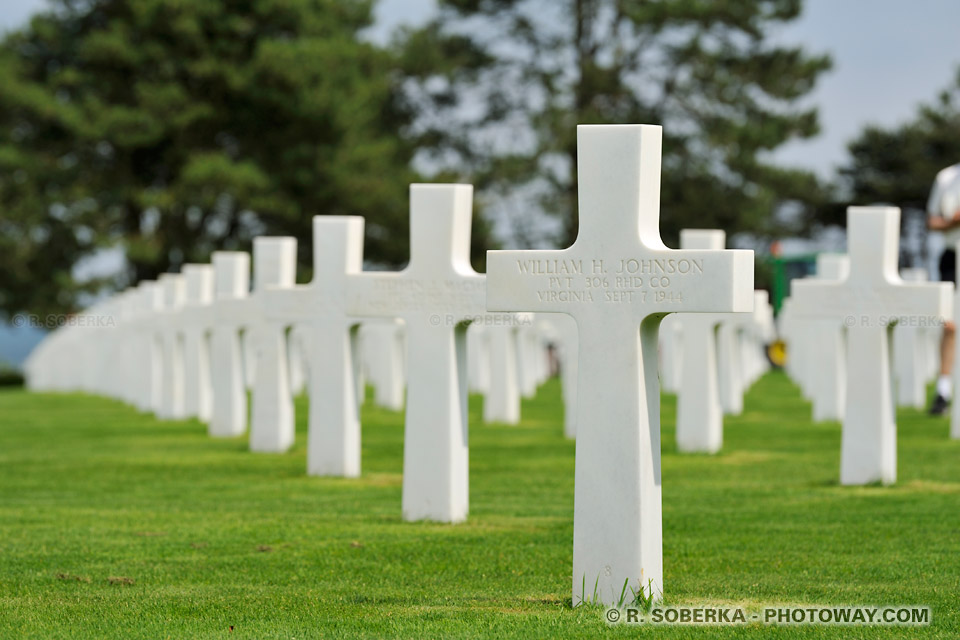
(567, 331)
(271, 403)
(151, 302)
(330, 337)
(478, 359)
(618, 280)
(127, 364)
(731, 381)
(297, 342)
(196, 322)
(699, 412)
(529, 356)
(381, 344)
(671, 353)
(827, 350)
(868, 303)
(762, 333)
(171, 396)
(297, 348)
(909, 355)
(787, 328)
(249, 355)
(232, 282)
(502, 400)
(436, 295)
(799, 335)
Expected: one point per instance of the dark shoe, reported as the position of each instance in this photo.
(939, 406)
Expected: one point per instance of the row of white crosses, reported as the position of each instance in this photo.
(176, 373)
(817, 359)
(818, 350)
(818, 353)
(382, 361)
(915, 354)
(617, 283)
(840, 327)
(710, 359)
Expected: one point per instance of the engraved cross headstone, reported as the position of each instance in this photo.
(618, 280)
(502, 400)
(827, 349)
(381, 346)
(232, 283)
(297, 348)
(435, 295)
(478, 357)
(868, 302)
(271, 403)
(318, 309)
(909, 354)
(197, 321)
(671, 354)
(151, 302)
(731, 380)
(171, 379)
(699, 412)
(569, 352)
(271, 422)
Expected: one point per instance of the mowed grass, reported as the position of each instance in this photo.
(116, 525)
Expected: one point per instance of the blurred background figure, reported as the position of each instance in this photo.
(943, 211)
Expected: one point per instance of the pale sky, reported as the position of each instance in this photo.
(889, 56)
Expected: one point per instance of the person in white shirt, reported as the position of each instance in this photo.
(943, 214)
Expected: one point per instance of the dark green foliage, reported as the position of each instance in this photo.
(174, 128)
(521, 74)
(10, 377)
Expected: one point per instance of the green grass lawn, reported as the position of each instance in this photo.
(116, 525)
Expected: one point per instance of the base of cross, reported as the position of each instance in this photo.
(638, 593)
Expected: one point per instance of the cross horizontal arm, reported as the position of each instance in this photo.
(397, 295)
(297, 304)
(197, 316)
(881, 304)
(238, 311)
(662, 281)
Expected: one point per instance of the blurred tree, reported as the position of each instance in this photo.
(174, 128)
(898, 165)
(502, 84)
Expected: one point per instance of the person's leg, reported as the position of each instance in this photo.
(948, 270)
(946, 359)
